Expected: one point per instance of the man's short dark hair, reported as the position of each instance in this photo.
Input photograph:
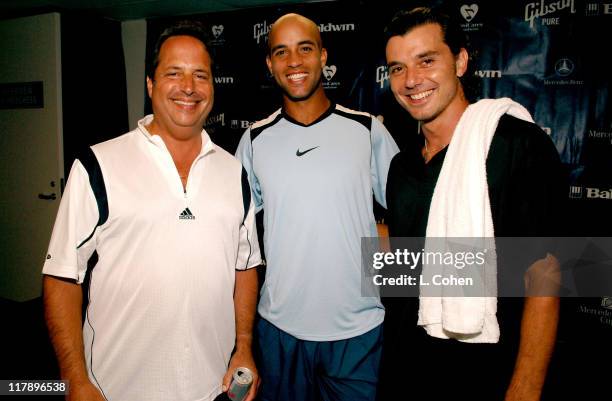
(181, 28)
(404, 21)
(452, 34)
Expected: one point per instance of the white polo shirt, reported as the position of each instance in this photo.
(160, 322)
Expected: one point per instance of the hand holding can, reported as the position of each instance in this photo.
(242, 379)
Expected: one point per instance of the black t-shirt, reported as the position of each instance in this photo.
(524, 175)
(526, 191)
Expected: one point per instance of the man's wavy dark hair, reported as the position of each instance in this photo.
(181, 28)
(452, 34)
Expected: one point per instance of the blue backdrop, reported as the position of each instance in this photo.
(548, 55)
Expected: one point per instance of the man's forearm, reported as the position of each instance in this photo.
(538, 335)
(63, 301)
(245, 302)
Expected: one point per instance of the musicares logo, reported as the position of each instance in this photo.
(329, 71)
(469, 12)
(217, 30)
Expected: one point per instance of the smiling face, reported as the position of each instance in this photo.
(296, 58)
(182, 90)
(424, 73)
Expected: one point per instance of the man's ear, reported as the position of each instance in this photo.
(461, 62)
(269, 63)
(149, 86)
(323, 57)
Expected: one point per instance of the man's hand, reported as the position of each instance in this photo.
(244, 359)
(543, 278)
(84, 391)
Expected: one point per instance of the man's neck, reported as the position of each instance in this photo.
(439, 131)
(309, 110)
(184, 144)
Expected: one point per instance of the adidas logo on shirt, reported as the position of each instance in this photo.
(186, 215)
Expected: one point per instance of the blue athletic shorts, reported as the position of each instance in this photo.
(298, 370)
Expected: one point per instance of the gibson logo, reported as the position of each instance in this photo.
(540, 8)
(218, 119)
(382, 75)
(261, 30)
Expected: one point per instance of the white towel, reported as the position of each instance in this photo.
(460, 208)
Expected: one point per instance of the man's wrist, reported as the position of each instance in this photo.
(244, 342)
(75, 377)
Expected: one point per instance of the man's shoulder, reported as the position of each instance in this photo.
(520, 141)
(117, 144)
(516, 128)
(259, 126)
(517, 134)
(406, 160)
(223, 156)
(361, 117)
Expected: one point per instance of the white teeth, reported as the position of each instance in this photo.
(184, 103)
(421, 95)
(295, 77)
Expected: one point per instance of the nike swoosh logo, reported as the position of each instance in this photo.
(298, 153)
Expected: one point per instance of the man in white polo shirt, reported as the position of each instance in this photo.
(171, 218)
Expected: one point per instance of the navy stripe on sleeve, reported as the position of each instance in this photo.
(96, 181)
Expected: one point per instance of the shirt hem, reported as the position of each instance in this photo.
(332, 337)
(63, 271)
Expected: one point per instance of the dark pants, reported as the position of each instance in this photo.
(297, 370)
(416, 367)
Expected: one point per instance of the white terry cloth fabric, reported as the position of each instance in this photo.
(460, 208)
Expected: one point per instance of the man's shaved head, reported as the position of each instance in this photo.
(296, 58)
(293, 18)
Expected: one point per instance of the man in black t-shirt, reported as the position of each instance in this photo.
(490, 148)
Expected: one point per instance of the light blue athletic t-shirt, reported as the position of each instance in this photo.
(315, 184)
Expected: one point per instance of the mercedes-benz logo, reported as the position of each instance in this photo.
(564, 67)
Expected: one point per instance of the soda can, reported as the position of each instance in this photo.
(242, 379)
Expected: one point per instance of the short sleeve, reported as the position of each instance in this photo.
(244, 153)
(383, 151)
(248, 246)
(74, 234)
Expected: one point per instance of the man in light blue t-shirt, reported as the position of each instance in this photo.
(314, 166)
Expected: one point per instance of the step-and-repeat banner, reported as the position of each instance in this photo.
(549, 55)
